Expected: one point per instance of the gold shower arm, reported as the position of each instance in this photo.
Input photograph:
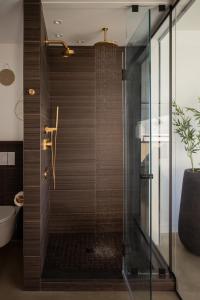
(67, 52)
(57, 42)
(105, 30)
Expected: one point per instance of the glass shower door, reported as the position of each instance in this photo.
(137, 162)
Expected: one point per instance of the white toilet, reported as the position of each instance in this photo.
(8, 215)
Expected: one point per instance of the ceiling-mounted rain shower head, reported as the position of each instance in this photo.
(105, 42)
(67, 52)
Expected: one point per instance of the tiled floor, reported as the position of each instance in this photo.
(11, 284)
(186, 268)
(84, 255)
(156, 296)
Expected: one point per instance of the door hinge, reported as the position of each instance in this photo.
(146, 176)
(135, 8)
(124, 73)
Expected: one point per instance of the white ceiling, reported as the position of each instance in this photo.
(11, 21)
(82, 25)
(82, 21)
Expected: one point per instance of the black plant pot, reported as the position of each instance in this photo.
(189, 216)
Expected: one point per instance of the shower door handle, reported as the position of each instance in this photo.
(146, 176)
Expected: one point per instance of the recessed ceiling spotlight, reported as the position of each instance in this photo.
(80, 42)
(59, 35)
(57, 22)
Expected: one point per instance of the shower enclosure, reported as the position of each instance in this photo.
(137, 186)
(147, 160)
(95, 228)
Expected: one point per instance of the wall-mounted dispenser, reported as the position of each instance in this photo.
(51, 143)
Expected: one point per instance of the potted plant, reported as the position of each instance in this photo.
(187, 123)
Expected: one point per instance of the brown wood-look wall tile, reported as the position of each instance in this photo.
(109, 200)
(89, 170)
(32, 272)
(80, 202)
(36, 116)
(72, 223)
(32, 206)
(32, 21)
(72, 88)
(109, 139)
(32, 237)
(32, 167)
(109, 222)
(32, 127)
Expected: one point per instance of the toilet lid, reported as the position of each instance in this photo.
(6, 212)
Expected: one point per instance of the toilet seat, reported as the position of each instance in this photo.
(6, 212)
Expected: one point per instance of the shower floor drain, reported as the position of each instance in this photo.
(89, 250)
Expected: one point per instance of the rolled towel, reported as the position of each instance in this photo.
(19, 199)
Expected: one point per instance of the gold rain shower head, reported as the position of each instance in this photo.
(67, 52)
(105, 42)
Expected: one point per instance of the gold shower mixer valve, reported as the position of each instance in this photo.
(49, 142)
(49, 129)
(46, 144)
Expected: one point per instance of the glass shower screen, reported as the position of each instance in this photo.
(137, 230)
(142, 259)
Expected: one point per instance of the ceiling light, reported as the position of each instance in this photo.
(79, 42)
(59, 35)
(57, 22)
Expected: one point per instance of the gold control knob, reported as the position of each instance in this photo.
(31, 92)
(46, 173)
(46, 143)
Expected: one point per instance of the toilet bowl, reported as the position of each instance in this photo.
(8, 215)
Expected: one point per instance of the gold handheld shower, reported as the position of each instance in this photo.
(105, 42)
(55, 148)
(52, 143)
(67, 52)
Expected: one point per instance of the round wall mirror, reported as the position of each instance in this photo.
(7, 77)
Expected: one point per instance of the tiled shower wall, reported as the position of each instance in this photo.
(72, 87)
(35, 160)
(109, 138)
(89, 169)
(88, 89)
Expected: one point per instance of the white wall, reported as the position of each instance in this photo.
(11, 54)
(186, 81)
(187, 91)
(10, 127)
